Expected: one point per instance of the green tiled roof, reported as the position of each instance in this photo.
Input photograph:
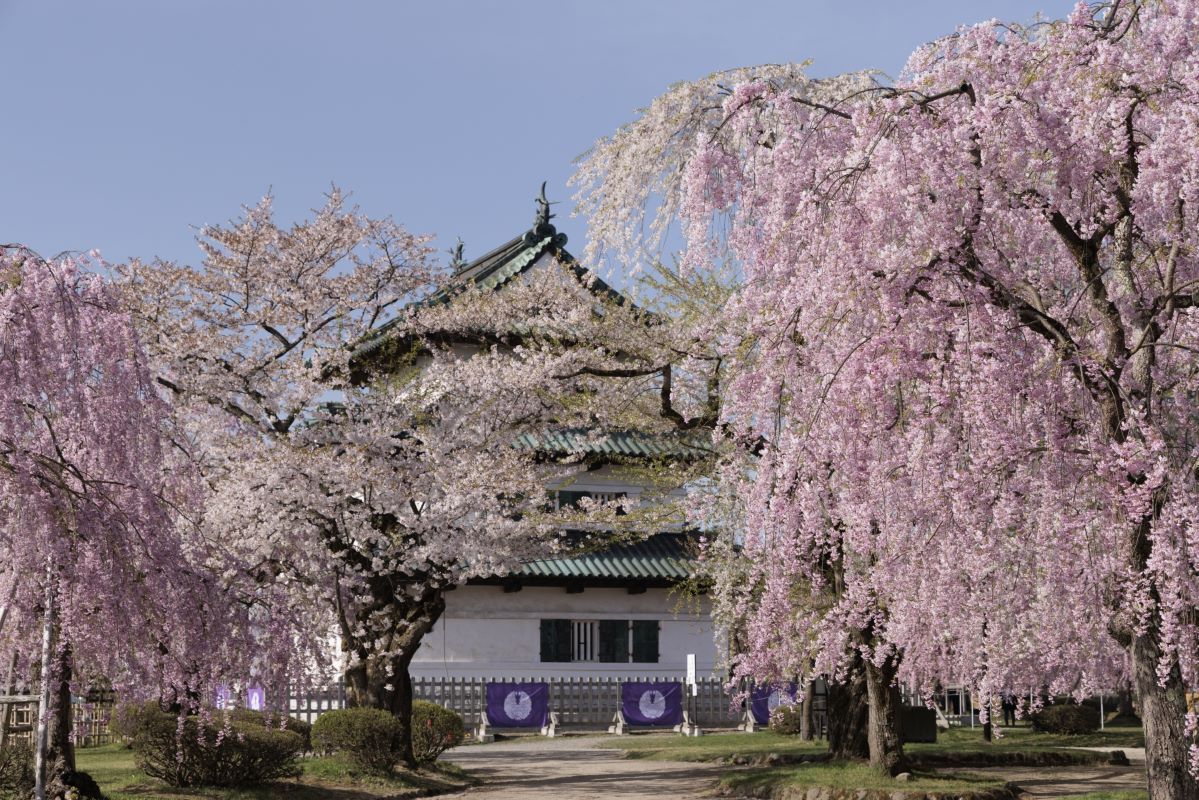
(661, 557)
(574, 441)
(501, 274)
(493, 270)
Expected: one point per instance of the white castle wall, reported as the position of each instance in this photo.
(489, 633)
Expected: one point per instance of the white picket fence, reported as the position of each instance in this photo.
(581, 703)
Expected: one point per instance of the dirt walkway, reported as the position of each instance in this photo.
(571, 768)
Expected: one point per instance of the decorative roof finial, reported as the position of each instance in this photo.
(457, 259)
(543, 209)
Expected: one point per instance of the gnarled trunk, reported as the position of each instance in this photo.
(1163, 709)
(883, 722)
(382, 680)
(60, 751)
(848, 710)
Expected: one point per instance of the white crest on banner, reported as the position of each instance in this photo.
(653, 704)
(518, 705)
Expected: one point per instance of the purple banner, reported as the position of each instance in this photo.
(518, 705)
(220, 695)
(652, 703)
(256, 698)
(765, 699)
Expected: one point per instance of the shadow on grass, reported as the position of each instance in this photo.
(853, 777)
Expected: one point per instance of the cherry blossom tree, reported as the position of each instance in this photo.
(360, 483)
(967, 295)
(101, 573)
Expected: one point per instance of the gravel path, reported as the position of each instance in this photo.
(570, 768)
(573, 768)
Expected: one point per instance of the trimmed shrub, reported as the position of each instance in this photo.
(207, 754)
(16, 770)
(369, 738)
(1066, 718)
(273, 721)
(130, 717)
(434, 730)
(787, 719)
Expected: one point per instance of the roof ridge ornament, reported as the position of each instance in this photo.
(457, 258)
(542, 227)
(543, 209)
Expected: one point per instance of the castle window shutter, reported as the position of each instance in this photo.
(614, 641)
(555, 640)
(645, 641)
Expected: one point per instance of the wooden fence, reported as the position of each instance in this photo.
(581, 703)
(18, 719)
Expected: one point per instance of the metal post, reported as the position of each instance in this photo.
(1101, 714)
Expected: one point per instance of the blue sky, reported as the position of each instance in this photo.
(131, 122)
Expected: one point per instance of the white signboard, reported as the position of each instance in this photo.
(691, 674)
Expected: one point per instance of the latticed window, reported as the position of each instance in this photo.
(610, 641)
(586, 638)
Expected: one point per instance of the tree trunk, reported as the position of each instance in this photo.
(805, 714)
(1125, 707)
(883, 721)
(1163, 709)
(383, 681)
(848, 710)
(60, 751)
(44, 703)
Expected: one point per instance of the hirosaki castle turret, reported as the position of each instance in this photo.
(581, 611)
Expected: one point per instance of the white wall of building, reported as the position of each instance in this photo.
(489, 633)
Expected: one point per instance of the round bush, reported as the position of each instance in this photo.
(202, 753)
(1066, 718)
(787, 719)
(275, 721)
(369, 738)
(434, 730)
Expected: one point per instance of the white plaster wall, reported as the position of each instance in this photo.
(488, 633)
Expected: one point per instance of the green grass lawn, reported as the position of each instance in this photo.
(114, 769)
(1022, 738)
(712, 747)
(956, 746)
(959, 742)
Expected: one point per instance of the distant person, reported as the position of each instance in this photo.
(1009, 710)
